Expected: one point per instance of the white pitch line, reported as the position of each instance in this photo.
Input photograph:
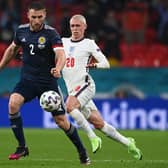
(127, 161)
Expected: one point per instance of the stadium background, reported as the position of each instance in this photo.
(132, 95)
(138, 65)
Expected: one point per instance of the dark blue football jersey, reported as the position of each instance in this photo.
(38, 54)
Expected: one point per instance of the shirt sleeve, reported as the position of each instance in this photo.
(96, 52)
(56, 40)
(16, 38)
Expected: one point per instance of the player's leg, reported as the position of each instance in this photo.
(73, 107)
(98, 122)
(72, 134)
(94, 117)
(15, 102)
(23, 92)
(75, 102)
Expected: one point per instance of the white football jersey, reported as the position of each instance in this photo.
(78, 55)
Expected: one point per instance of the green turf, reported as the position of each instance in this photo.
(52, 149)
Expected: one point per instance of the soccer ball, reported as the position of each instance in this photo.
(50, 101)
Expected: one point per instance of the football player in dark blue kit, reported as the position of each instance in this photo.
(42, 52)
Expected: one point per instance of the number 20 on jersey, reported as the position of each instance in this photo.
(70, 62)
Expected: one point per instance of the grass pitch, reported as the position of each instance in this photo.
(52, 149)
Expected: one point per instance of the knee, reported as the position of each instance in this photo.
(14, 107)
(96, 120)
(98, 125)
(72, 103)
(15, 102)
(69, 107)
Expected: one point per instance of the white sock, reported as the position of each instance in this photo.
(110, 131)
(82, 122)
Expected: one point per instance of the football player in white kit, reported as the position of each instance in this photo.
(81, 87)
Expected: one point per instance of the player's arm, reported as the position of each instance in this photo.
(60, 62)
(101, 60)
(60, 57)
(9, 53)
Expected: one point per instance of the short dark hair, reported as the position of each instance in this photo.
(36, 5)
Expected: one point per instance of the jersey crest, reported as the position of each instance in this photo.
(71, 50)
(41, 42)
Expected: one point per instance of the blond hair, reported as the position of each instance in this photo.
(79, 17)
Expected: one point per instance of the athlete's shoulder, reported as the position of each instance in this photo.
(48, 27)
(51, 31)
(22, 29)
(88, 41)
(66, 39)
(23, 26)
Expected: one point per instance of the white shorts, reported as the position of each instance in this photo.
(85, 92)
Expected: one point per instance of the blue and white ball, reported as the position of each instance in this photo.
(50, 101)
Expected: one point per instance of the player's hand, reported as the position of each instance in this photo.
(91, 65)
(56, 72)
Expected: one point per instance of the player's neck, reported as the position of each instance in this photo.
(36, 30)
(76, 39)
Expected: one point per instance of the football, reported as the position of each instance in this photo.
(50, 101)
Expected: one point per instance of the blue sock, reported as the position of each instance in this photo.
(17, 128)
(75, 139)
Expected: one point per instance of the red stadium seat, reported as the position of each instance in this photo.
(133, 55)
(139, 55)
(159, 48)
(124, 48)
(150, 35)
(156, 55)
(138, 47)
(132, 62)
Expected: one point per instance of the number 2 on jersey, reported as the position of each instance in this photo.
(70, 62)
(32, 49)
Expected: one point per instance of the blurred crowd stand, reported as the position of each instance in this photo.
(134, 21)
(10, 19)
(162, 9)
(131, 33)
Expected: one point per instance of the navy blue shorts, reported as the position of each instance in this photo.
(30, 90)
